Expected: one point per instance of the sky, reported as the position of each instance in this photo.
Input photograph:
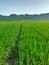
(8, 7)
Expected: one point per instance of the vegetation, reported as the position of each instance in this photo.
(24, 43)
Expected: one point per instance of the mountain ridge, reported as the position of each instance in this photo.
(27, 16)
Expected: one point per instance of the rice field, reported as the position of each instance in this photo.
(24, 42)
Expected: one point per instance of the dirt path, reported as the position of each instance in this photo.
(15, 52)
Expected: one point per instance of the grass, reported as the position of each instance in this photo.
(24, 42)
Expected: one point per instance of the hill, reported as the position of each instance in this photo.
(27, 16)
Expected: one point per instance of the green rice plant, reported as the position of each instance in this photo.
(33, 44)
(24, 42)
(8, 36)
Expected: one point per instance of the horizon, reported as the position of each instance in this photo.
(22, 14)
(18, 7)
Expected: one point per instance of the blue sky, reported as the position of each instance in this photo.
(8, 7)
